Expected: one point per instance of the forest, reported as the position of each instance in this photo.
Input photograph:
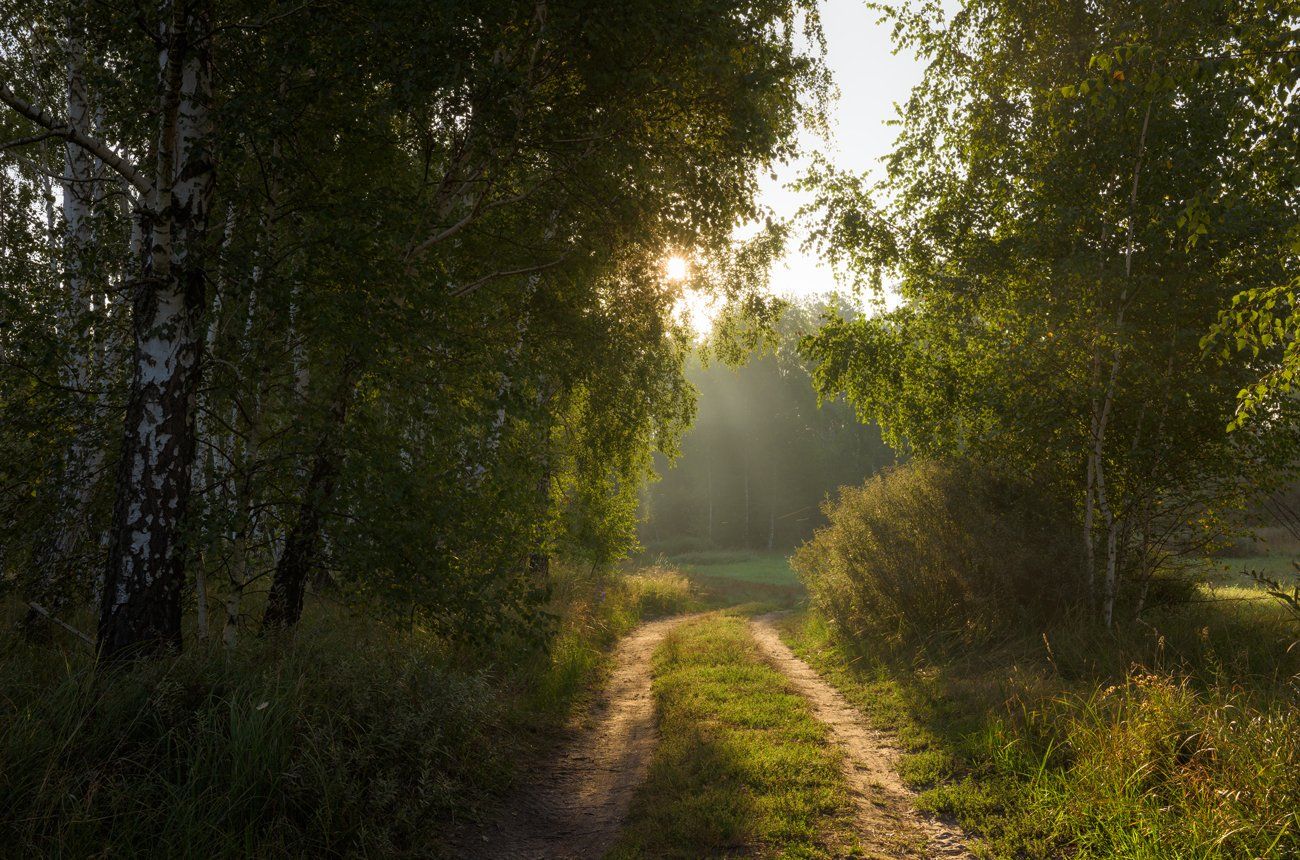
(495, 429)
(763, 452)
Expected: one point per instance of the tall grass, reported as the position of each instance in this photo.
(1177, 740)
(594, 618)
(350, 738)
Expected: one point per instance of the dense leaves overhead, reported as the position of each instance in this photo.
(436, 345)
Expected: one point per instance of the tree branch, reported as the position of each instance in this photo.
(466, 289)
(24, 141)
(65, 625)
(94, 146)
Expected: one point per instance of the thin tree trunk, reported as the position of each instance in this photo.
(302, 545)
(238, 566)
(1111, 584)
(201, 600)
(242, 504)
(748, 542)
(710, 503)
(1090, 492)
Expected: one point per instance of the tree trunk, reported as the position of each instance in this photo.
(710, 504)
(55, 563)
(1110, 588)
(748, 542)
(201, 600)
(246, 464)
(302, 546)
(1110, 584)
(140, 610)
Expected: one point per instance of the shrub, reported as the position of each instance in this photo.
(940, 548)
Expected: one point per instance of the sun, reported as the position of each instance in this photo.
(676, 268)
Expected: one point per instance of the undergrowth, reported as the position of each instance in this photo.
(350, 738)
(1178, 740)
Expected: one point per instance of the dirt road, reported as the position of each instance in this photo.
(887, 820)
(574, 807)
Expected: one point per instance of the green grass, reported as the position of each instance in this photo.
(765, 568)
(728, 578)
(743, 768)
(350, 738)
(1175, 741)
(1233, 570)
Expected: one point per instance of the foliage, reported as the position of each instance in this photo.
(940, 549)
(1264, 323)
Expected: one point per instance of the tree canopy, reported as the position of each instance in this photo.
(1065, 214)
(364, 295)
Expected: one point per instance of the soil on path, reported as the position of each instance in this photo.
(887, 821)
(574, 807)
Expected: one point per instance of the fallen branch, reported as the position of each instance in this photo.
(65, 625)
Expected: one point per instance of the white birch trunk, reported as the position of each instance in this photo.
(83, 460)
(141, 608)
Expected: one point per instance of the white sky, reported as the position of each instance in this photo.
(871, 80)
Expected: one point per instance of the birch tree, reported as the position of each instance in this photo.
(1035, 213)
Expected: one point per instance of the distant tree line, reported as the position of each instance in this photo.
(763, 453)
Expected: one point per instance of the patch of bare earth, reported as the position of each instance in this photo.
(574, 807)
(886, 819)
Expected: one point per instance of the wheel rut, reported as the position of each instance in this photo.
(886, 817)
(575, 805)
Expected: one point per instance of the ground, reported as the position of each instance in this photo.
(710, 738)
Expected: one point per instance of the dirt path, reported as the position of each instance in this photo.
(888, 823)
(574, 807)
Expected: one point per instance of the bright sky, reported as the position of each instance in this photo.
(871, 79)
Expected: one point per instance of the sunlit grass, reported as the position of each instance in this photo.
(767, 568)
(1177, 738)
(729, 578)
(743, 768)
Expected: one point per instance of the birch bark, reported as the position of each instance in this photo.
(56, 563)
(140, 610)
